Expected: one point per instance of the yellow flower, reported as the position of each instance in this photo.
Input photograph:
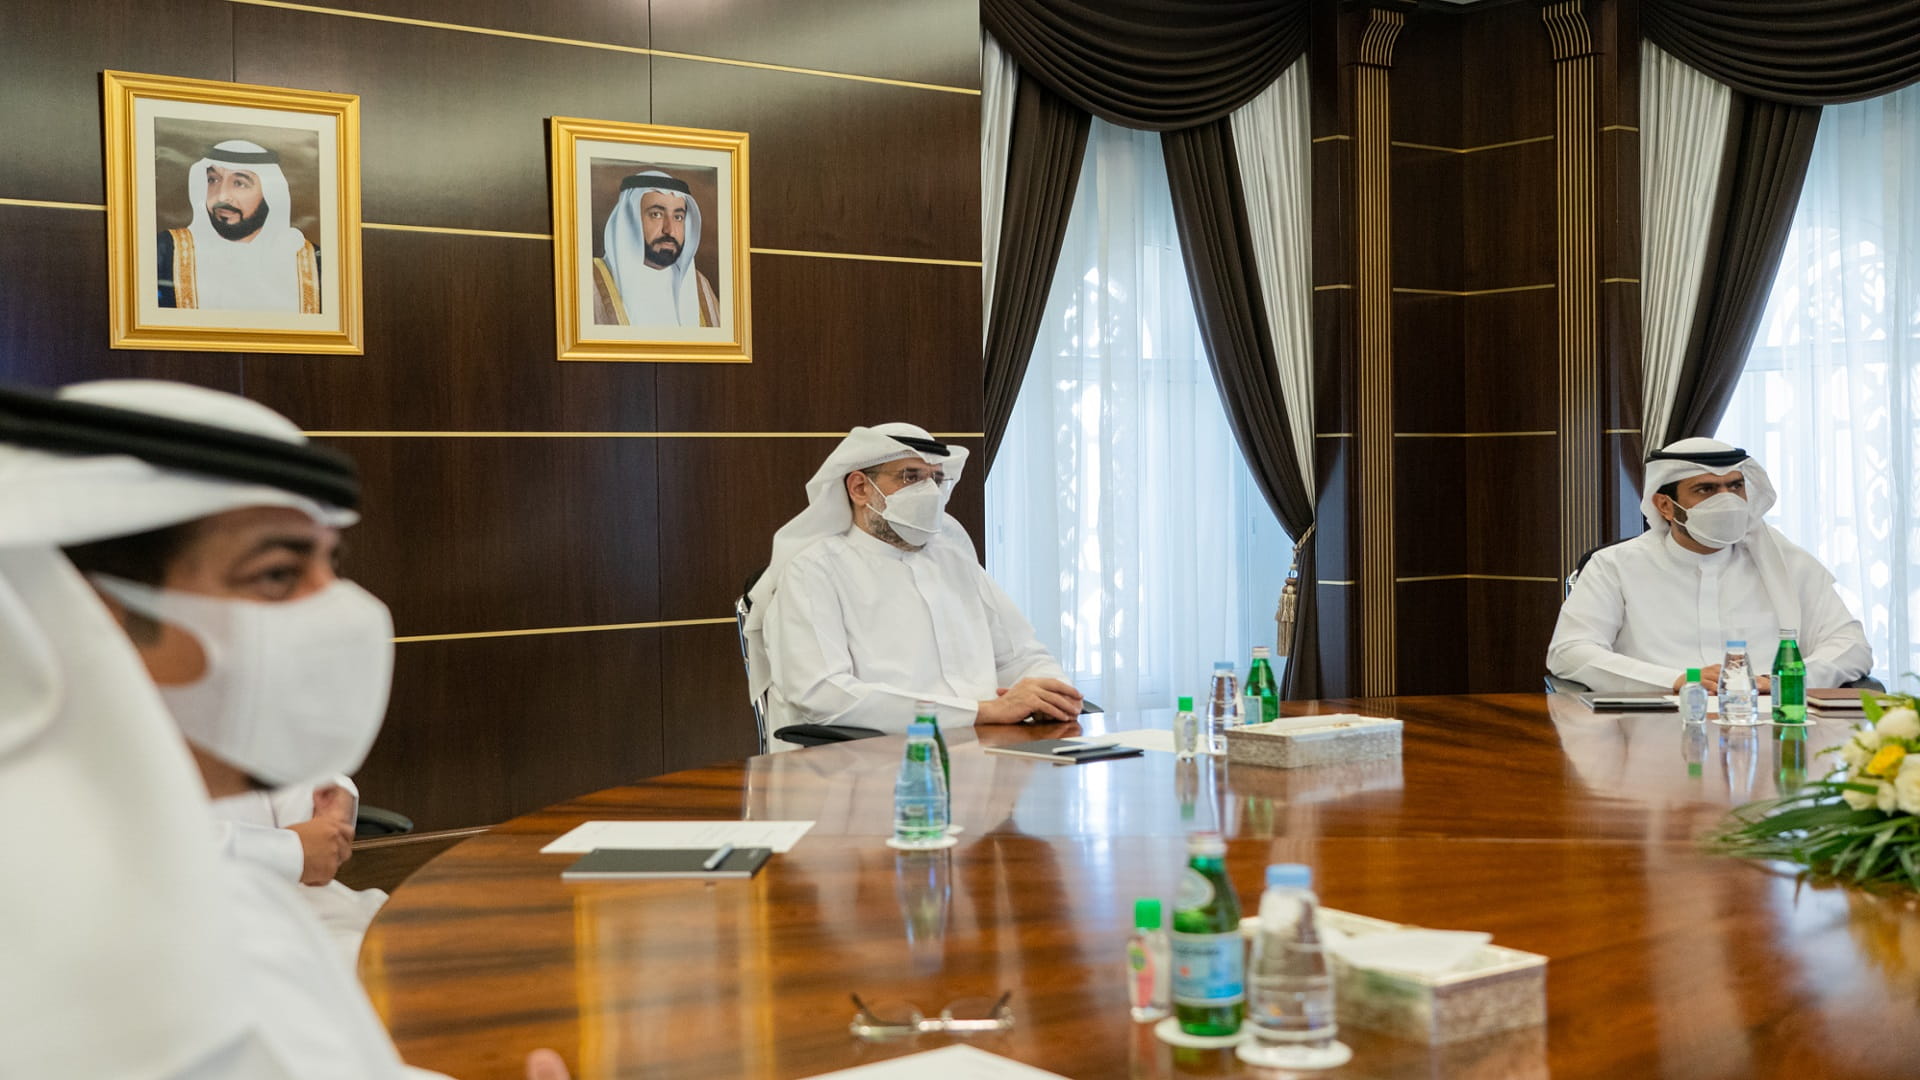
(1886, 761)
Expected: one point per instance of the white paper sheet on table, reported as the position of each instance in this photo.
(778, 835)
(1145, 738)
(956, 1062)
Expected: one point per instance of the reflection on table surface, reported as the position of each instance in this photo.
(1561, 831)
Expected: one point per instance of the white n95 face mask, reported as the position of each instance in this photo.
(1718, 520)
(293, 691)
(914, 511)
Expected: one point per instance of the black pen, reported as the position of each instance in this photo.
(719, 856)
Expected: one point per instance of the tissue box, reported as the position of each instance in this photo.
(1293, 742)
(1499, 990)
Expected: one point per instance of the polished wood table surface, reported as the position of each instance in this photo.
(1560, 831)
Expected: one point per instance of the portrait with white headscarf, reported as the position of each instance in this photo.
(231, 224)
(650, 249)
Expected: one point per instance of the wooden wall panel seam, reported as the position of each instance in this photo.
(1478, 577)
(636, 50)
(1373, 279)
(1470, 434)
(45, 204)
(544, 631)
(1412, 291)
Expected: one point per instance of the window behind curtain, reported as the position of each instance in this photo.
(1121, 515)
(1831, 390)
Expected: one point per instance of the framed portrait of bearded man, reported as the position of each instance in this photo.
(650, 243)
(233, 216)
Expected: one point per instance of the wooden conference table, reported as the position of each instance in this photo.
(1560, 831)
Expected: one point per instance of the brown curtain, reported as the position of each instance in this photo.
(1209, 206)
(1798, 52)
(1048, 142)
(1155, 65)
(1769, 146)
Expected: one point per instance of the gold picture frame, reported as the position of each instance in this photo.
(198, 257)
(656, 267)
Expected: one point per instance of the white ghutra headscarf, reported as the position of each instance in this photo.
(1692, 457)
(829, 514)
(255, 275)
(117, 961)
(625, 245)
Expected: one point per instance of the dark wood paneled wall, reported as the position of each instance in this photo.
(1484, 222)
(472, 526)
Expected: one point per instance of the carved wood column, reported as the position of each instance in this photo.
(1577, 279)
(1373, 303)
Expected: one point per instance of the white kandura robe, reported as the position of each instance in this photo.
(306, 1012)
(254, 827)
(858, 630)
(1645, 610)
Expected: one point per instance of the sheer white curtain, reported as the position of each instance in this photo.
(1831, 392)
(999, 79)
(1683, 130)
(1121, 516)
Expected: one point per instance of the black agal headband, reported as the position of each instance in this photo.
(666, 183)
(925, 446)
(243, 157)
(1711, 459)
(40, 421)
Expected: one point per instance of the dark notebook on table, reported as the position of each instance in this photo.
(1629, 703)
(1075, 753)
(630, 863)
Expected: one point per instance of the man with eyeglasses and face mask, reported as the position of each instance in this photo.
(166, 569)
(1709, 568)
(874, 599)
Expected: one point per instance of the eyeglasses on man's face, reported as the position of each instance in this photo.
(901, 1019)
(913, 474)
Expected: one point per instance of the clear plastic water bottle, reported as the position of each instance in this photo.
(1223, 706)
(1186, 730)
(920, 792)
(1149, 964)
(1737, 699)
(1290, 1004)
(1693, 699)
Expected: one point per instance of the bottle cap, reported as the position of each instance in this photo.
(1736, 643)
(1260, 652)
(1693, 674)
(1186, 704)
(1223, 665)
(1789, 632)
(1146, 913)
(920, 728)
(1289, 875)
(925, 710)
(1206, 843)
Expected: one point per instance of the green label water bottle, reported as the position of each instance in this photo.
(1789, 681)
(1209, 957)
(1261, 684)
(926, 712)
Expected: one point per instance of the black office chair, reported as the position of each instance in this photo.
(797, 734)
(372, 823)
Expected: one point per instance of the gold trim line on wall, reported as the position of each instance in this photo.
(1470, 434)
(1333, 435)
(1471, 149)
(1323, 581)
(450, 230)
(1333, 138)
(610, 434)
(47, 205)
(1331, 288)
(545, 630)
(1619, 281)
(578, 43)
(1621, 431)
(1476, 577)
(1474, 292)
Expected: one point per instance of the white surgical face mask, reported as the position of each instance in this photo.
(293, 691)
(1718, 520)
(913, 511)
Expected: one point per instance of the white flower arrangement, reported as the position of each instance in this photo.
(1860, 823)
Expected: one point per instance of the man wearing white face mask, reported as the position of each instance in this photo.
(207, 530)
(1709, 568)
(874, 599)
